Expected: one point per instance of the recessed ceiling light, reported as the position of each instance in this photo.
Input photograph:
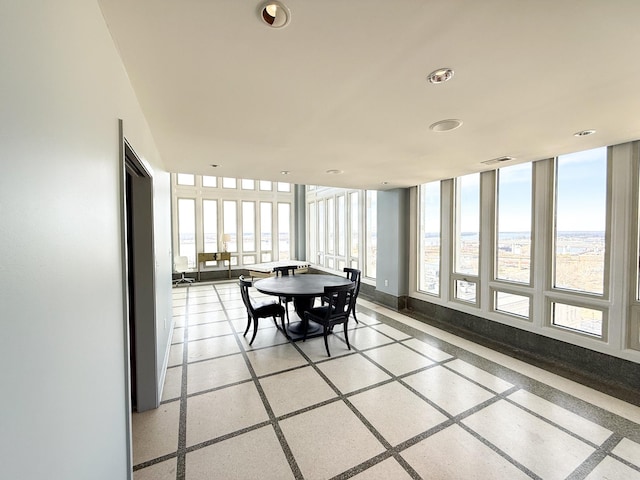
(334, 172)
(384, 183)
(275, 14)
(445, 125)
(285, 172)
(440, 75)
(584, 133)
(215, 165)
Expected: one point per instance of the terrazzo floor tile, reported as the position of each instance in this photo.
(296, 389)
(478, 375)
(252, 455)
(207, 317)
(234, 304)
(315, 350)
(611, 469)
(266, 337)
(364, 338)
(211, 415)
(629, 450)
(206, 298)
(212, 347)
(389, 469)
(275, 359)
(178, 335)
(215, 373)
(208, 330)
(396, 412)
(332, 428)
(365, 319)
(179, 321)
(155, 432)
(175, 355)
(172, 384)
(430, 351)
(448, 390)
(566, 419)
(160, 471)
(391, 331)
(456, 454)
(236, 313)
(398, 359)
(544, 449)
(179, 302)
(352, 373)
(203, 308)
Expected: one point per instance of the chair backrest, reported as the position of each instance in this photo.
(181, 264)
(244, 291)
(355, 276)
(284, 271)
(341, 300)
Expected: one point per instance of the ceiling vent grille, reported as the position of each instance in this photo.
(493, 161)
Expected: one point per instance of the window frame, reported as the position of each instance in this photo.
(455, 276)
(200, 193)
(419, 242)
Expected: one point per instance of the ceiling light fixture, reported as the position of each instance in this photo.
(446, 125)
(285, 172)
(334, 172)
(275, 14)
(215, 165)
(440, 75)
(584, 133)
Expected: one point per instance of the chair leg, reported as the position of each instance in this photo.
(326, 342)
(248, 325)
(255, 330)
(354, 315)
(286, 308)
(346, 337)
(284, 329)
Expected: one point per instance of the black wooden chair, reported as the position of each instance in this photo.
(340, 301)
(355, 276)
(283, 272)
(257, 310)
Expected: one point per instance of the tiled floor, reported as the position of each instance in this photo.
(408, 401)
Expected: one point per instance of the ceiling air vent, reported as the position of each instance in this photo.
(498, 160)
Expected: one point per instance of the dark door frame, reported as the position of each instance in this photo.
(138, 284)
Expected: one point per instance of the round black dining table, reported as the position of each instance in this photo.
(303, 289)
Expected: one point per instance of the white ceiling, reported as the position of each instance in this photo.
(343, 86)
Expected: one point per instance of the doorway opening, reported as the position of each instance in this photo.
(140, 282)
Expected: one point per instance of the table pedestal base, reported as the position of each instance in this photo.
(295, 330)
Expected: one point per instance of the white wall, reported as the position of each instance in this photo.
(62, 90)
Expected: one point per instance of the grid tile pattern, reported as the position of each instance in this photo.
(401, 404)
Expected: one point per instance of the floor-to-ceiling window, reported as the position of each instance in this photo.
(339, 223)
(466, 238)
(429, 238)
(579, 240)
(512, 246)
(371, 233)
(538, 246)
(250, 219)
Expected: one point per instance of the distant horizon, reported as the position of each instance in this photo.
(528, 231)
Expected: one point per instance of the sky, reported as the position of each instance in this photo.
(581, 198)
